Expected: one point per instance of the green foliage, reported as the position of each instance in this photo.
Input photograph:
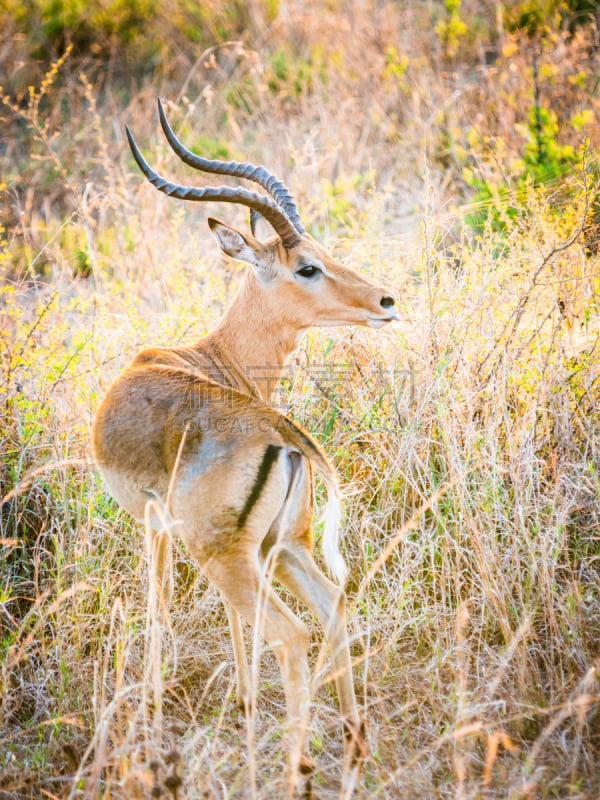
(543, 162)
(211, 148)
(550, 147)
(337, 198)
(99, 26)
(451, 28)
(539, 17)
(534, 16)
(294, 76)
(132, 32)
(396, 65)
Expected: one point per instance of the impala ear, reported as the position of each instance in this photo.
(236, 244)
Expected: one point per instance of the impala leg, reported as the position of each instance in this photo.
(256, 602)
(297, 571)
(243, 683)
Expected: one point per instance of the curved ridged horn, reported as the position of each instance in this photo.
(263, 205)
(270, 183)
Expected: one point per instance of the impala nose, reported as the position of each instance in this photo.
(387, 301)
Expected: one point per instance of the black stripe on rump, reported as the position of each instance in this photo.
(269, 457)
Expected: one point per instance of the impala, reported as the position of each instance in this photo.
(191, 426)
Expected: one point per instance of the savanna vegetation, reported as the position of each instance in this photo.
(448, 148)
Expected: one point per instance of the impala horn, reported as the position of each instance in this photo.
(280, 212)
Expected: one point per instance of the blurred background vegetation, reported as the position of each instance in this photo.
(495, 97)
(447, 147)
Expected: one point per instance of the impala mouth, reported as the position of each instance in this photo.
(379, 322)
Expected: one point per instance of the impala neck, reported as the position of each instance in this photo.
(253, 340)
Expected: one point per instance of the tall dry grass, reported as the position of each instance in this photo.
(466, 437)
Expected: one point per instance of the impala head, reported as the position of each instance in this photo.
(296, 272)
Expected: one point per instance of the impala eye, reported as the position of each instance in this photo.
(309, 271)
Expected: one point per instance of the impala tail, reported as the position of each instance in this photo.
(311, 450)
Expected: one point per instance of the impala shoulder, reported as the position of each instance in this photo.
(165, 356)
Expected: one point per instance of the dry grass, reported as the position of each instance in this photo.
(467, 437)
